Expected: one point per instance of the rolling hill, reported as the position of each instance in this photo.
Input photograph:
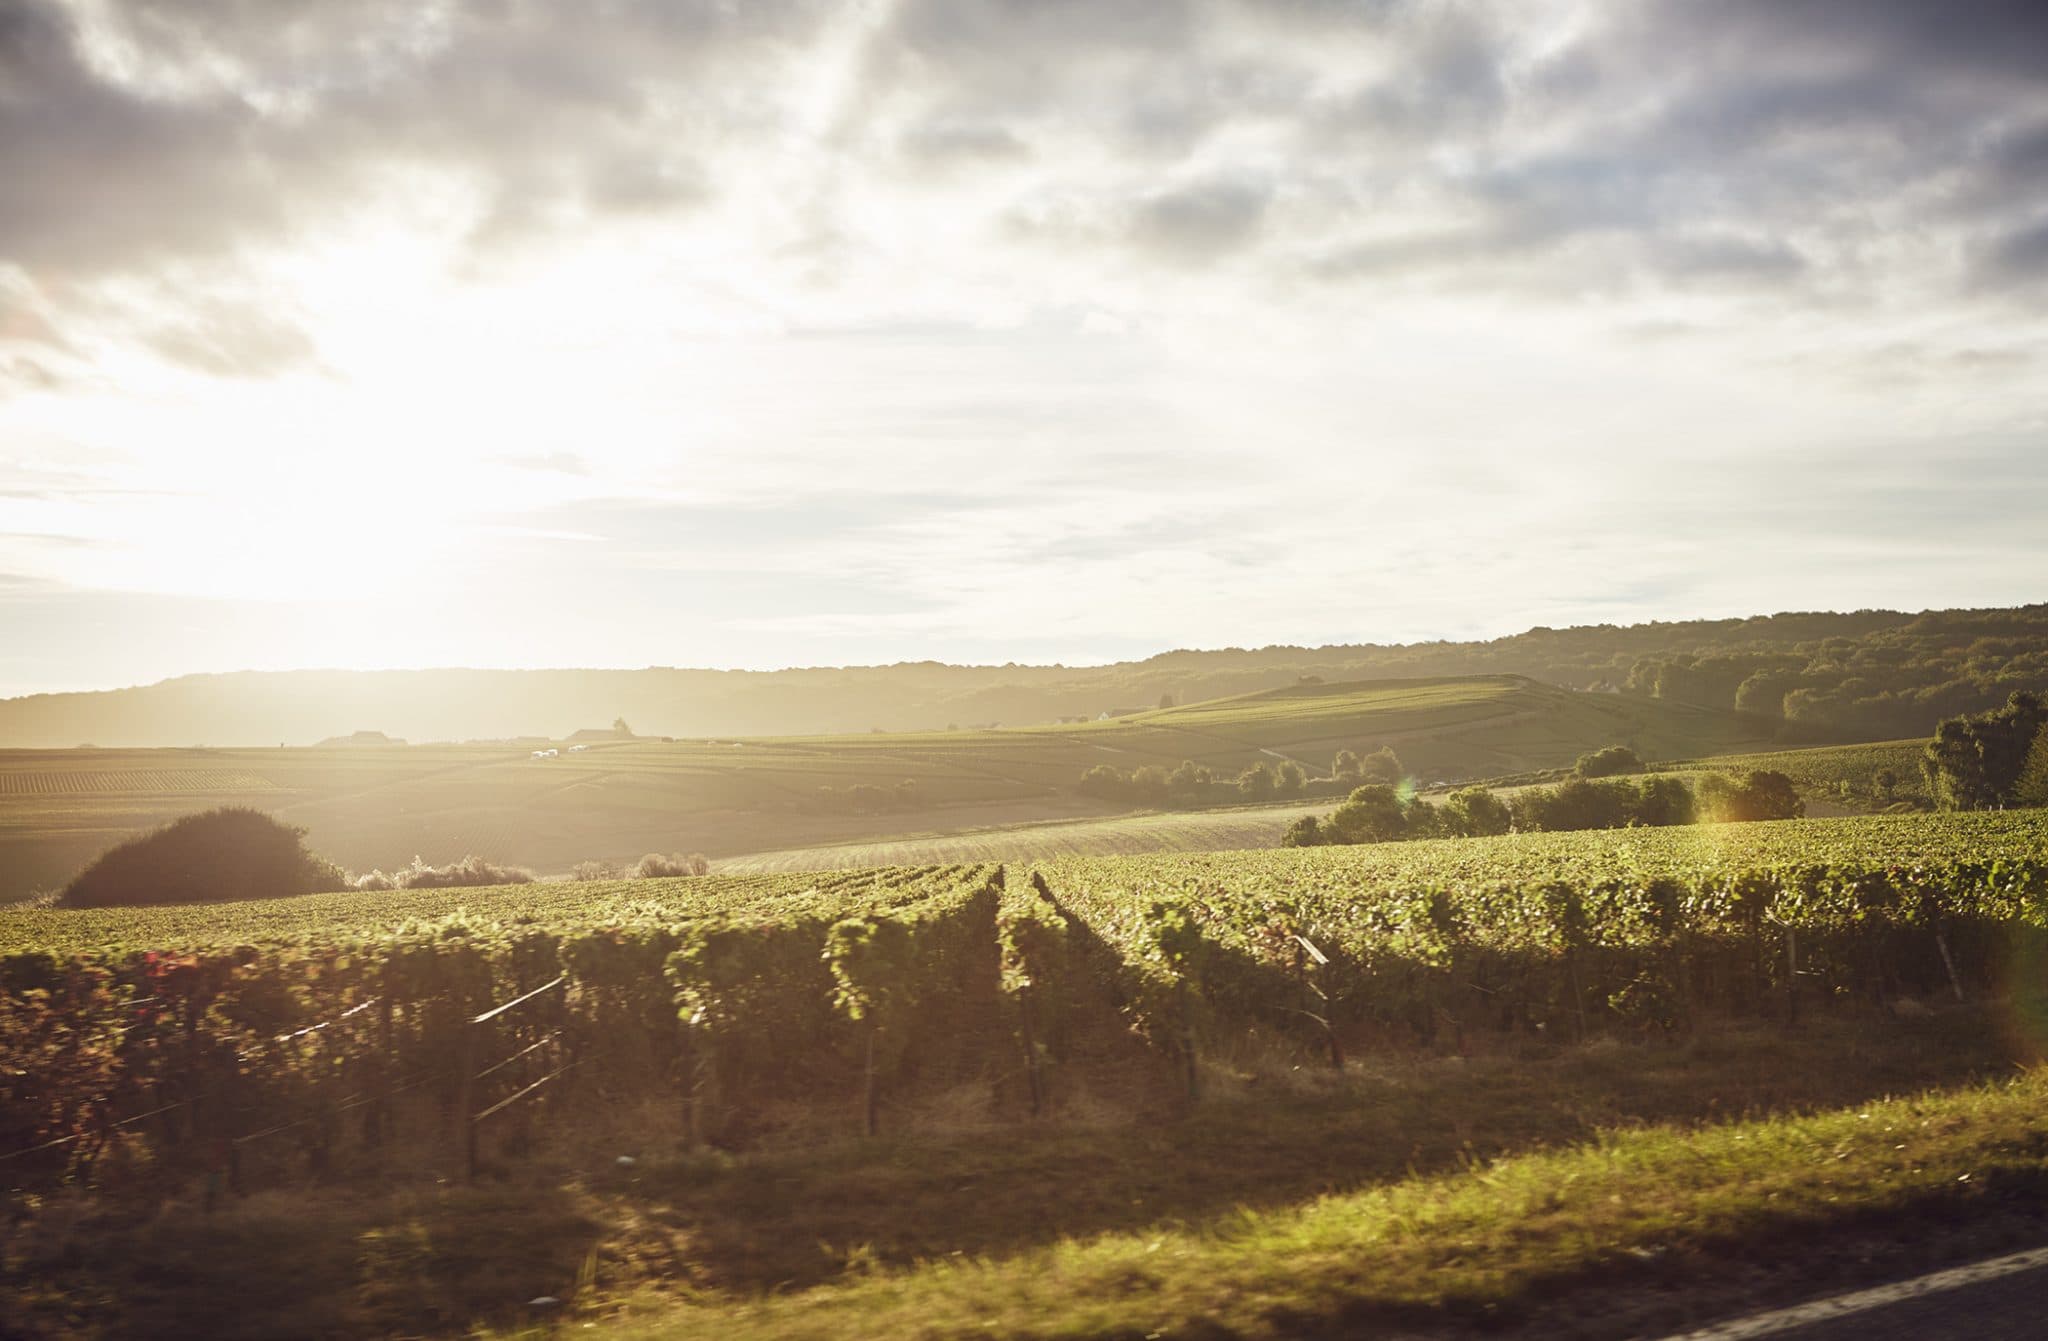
(1866, 675)
(382, 805)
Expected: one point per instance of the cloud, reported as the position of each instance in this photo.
(1011, 306)
(157, 128)
(945, 143)
(2018, 258)
(1199, 221)
(235, 341)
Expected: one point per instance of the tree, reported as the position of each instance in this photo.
(1149, 784)
(1771, 795)
(1975, 760)
(1166, 701)
(1345, 766)
(619, 727)
(1256, 782)
(2032, 787)
(1290, 779)
(1382, 766)
(1188, 781)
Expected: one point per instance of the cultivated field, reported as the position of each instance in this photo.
(1821, 772)
(1236, 828)
(1381, 1054)
(615, 800)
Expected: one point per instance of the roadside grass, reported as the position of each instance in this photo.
(1292, 1200)
(1602, 1240)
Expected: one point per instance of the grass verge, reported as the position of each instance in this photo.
(1236, 1210)
(1654, 1228)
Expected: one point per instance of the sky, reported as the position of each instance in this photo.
(373, 333)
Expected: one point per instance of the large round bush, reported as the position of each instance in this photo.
(213, 857)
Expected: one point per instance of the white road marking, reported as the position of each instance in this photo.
(1844, 1305)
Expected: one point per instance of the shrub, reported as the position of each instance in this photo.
(593, 870)
(1665, 800)
(1374, 813)
(1577, 804)
(654, 865)
(1105, 782)
(1761, 795)
(1475, 812)
(1304, 832)
(467, 873)
(1608, 762)
(216, 856)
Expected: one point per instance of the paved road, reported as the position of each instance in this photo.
(2002, 1299)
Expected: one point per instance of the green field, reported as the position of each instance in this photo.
(382, 806)
(1234, 828)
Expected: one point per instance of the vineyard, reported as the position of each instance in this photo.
(1558, 934)
(1876, 772)
(18, 782)
(304, 1028)
(183, 1036)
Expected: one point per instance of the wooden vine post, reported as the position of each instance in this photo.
(1791, 976)
(870, 1100)
(466, 1104)
(1027, 998)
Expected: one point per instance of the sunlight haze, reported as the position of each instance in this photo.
(381, 335)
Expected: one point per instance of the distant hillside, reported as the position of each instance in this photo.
(1866, 675)
(1443, 729)
(381, 805)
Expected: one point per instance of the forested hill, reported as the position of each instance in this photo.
(1867, 675)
